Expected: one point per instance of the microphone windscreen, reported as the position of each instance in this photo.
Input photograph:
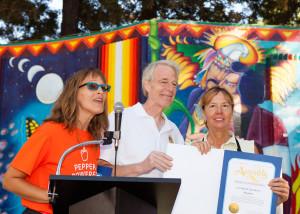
(118, 107)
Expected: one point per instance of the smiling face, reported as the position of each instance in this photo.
(218, 112)
(90, 102)
(161, 89)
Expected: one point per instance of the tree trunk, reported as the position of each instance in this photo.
(149, 8)
(70, 17)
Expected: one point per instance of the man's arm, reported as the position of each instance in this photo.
(155, 160)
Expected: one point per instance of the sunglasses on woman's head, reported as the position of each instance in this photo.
(93, 86)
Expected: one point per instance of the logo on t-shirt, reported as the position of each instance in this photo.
(87, 165)
(84, 154)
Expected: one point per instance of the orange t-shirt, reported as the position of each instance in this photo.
(39, 156)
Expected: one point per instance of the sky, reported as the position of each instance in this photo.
(57, 5)
(54, 4)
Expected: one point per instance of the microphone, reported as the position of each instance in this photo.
(117, 133)
(118, 119)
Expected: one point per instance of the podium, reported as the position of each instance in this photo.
(112, 195)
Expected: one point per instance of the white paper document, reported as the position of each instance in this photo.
(200, 179)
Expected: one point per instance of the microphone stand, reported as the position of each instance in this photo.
(115, 166)
(86, 143)
(116, 137)
(52, 195)
(118, 109)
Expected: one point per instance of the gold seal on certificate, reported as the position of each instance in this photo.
(233, 207)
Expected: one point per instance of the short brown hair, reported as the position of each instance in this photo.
(212, 92)
(65, 108)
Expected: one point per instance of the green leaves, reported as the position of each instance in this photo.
(24, 19)
(33, 19)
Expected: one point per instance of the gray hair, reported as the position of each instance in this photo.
(148, 71)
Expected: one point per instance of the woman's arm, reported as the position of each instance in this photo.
(14, 181)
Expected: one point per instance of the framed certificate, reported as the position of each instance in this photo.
(220, 180)
(244, 183)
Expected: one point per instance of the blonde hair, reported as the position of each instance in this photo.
(65, 108)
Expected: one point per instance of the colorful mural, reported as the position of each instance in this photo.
(260, 66)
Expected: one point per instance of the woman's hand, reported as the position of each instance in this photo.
(194, 138)
(197, 141)
(204, 147)
(281, 188)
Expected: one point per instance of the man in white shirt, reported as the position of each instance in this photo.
(145, 129)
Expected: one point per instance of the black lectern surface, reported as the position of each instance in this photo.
(121, 195)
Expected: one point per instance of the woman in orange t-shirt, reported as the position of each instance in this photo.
(79, 115)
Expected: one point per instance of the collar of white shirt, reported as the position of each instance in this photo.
(229, 145)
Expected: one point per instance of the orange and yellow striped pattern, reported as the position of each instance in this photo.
(119, 62)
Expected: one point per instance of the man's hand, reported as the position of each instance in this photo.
(158, 160)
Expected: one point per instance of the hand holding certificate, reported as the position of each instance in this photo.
(223, 181)
(244, 184)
